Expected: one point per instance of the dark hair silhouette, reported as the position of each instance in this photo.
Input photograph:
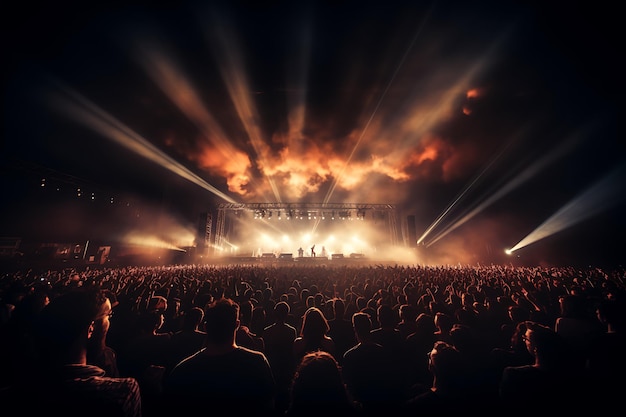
(221, 320)
(318, 388)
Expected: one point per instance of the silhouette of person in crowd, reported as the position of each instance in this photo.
(366, 369)
(418, 345)
(188, 340)
(552, 382)
(222, 376)
(448, 394)
(244, 336)
(63, 382)
(146, 357)
(99, 353)
(279, 337)
(318, 389)
(577, 325)
(313, 335)
(340, 329)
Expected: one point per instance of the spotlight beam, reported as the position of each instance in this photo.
(445, 102)
(87, 113)
(179, 90)
(465, 191)
(151, 242)
(604, 194)
(338, 177)
(231, 68)
(517, 181)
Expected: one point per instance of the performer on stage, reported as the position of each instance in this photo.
(313, 251)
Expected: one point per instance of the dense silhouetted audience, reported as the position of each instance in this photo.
(292, 340)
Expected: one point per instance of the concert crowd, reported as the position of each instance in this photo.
(310, 340)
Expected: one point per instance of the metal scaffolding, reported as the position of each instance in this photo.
(384, 213)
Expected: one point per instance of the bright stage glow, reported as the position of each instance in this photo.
(388, 142)
(251, 236)
(396, 142)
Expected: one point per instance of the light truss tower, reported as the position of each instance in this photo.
(393, 227)
(219, 228)
(207, 232)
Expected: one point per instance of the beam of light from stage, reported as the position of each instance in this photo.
(232, 163)
(340, 174)
(231, 65)
(465, 191)
(346, 163)
(517, 181)
(84, 111)
(446, 101)
(601, 196)
(151, 242)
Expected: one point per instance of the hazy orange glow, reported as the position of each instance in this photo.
(473, 93)
(393, 145)
(234, 168)
(432, 111)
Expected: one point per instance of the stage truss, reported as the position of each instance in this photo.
(284, 217)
